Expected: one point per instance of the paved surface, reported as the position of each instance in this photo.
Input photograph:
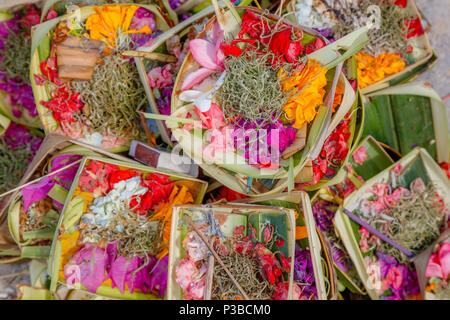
(435, 10)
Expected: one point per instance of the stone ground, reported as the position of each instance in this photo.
(435, 10)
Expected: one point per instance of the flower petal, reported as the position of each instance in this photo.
(204, 53)
(444, 258)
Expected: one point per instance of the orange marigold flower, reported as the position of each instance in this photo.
(307, 92)
(373, 69)
(337, 97)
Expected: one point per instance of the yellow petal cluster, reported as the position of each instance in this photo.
(373, 69)
(104, 24)
(179, 195)
(307, 91)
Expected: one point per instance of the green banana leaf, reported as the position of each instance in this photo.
(4, 124)
(30, 293)
(356, 126)
(36, 252)
(407, 116)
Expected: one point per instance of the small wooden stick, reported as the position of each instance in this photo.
(150, 55)
(150, 137)
(39, 179)
(202, 236)
(209, 278)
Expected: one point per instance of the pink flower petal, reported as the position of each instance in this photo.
(39, 79)
(36, 191)
(220, 57)
(360, 155)
(205, 53)
(72, 274)
(195, 78)
(433, 267)
(444, 258)
(216, 34)
(398, 168)
(91, 261)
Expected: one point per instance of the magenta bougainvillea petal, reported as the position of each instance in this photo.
(36, 191)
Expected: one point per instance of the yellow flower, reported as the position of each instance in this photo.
(104, 24)
(180, 195)
(307, 92)
(373, 69)
(69, 247)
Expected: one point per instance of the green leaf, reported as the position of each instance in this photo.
(38, 273)
(167, 118)
(377, 162)
(43, 234)
(347, 282)
(279, 221)
(30, 293)
(44, 48)
(402, 122)
(379, 122)
(36, 252)
(73, 212)
(307, 39)
(14, 219)
(6, 16)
